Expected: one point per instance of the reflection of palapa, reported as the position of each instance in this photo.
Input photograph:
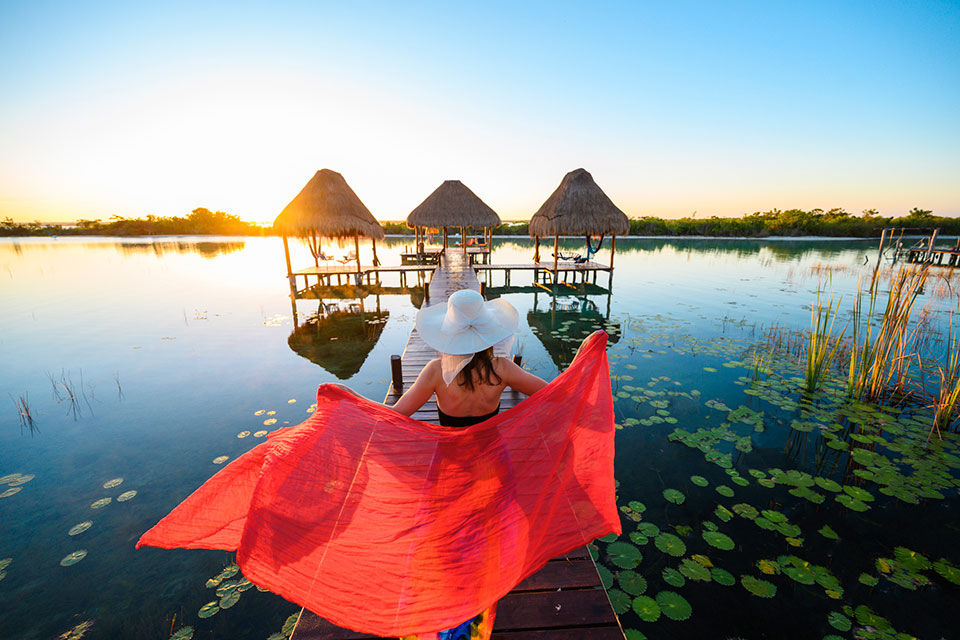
(339, 341)
(572, 325)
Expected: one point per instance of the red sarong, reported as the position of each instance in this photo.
(387, 525)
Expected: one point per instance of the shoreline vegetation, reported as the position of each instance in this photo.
(772, 223)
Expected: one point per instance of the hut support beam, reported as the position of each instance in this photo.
(536, 249)
(292, 279)
(356, 248)
(613, 249)
(463, 239)
(556, 254)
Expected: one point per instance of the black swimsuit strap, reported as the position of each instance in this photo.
(459, 422)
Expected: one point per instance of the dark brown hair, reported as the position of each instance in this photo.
(479, 369)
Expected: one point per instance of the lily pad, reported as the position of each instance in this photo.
(722, 576)
(619, 601)
(718, 540)
(73, 558)
(632, 582)
(724, 490)
(606, 577)
(647, 608)
(758, 587)
(867, 579)
(827, 532)
(9, 492)
(183, 633)
(693, 570)
(101, 503)
(947, 570)
(674, 496)
(229, 599)
(673, 605)
(21, 480)
(110, 484)
(670, 544)
(700, 481)
(127, 495)
(220, 460)
(839, 621)
(624, 555)
(673, 577)
(78, 528)
(208, 609)
(851, 503)
(648, 529)
(260, 434)
(243, 434)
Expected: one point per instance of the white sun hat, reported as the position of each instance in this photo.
(467, 323)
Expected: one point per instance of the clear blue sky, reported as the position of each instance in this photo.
(719, 108)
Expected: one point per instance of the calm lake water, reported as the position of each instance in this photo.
(144, 360)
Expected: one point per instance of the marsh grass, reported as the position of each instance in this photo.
(881, 356)
(822, 342)
(948, 392)
(24, 413)
(77, 395)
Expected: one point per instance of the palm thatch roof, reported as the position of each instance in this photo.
(578, 207)
(452, 204)
(328, 207)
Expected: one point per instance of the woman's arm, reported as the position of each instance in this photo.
(421, 390)
(520, 380)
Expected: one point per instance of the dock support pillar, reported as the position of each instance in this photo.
(613, 249)
(396, 370)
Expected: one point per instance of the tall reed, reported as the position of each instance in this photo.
(822, 344)
(948, 398)
(880, 361)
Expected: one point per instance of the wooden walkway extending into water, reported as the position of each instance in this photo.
(565, 599)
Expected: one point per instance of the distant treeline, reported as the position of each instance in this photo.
(199, 222)
(792, 222)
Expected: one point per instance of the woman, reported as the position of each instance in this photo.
(468, 377)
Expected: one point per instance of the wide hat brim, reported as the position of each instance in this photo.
(496, 321)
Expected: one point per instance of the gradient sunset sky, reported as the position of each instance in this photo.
(721, 108)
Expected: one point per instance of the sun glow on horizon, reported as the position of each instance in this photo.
(133, 111)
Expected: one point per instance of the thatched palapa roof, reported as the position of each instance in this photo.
(452, 204)
(328, 207)
(578, 207)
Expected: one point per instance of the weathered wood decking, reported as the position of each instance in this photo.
(565, 599)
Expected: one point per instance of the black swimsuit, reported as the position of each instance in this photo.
(460, 422)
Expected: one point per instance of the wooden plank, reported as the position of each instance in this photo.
(551, 609)
(610, 632)
(579, 573)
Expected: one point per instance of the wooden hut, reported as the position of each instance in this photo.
(327, 208)
(577, 207)
(452, 204)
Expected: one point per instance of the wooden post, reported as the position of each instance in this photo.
(933, 238)
(396, 370)
(376, 261)
(556, 254)
(356, 248)
(444, 238)
(613, 249)
(463, 239)
(292, 279)
(536, 251)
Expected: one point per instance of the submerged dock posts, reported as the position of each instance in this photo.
(396, 371)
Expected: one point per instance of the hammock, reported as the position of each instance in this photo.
(387, 525)
(591, 250)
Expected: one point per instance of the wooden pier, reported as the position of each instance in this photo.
(565, 600)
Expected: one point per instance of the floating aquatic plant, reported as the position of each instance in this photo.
(220, 459)
(673, 605)
(758, 587)
(646, 608)
(673, 577)
(127, 495)
(718, 540)
(209, 609)
(80, 528)
(73, 558)
(670, 544)
(110, 484)
(632, 582)
(101, 503)
(183, 633)
(624, 555)
(674, 496)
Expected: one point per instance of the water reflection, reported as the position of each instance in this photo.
(339, 336)
(563, 326)
(161, 247)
